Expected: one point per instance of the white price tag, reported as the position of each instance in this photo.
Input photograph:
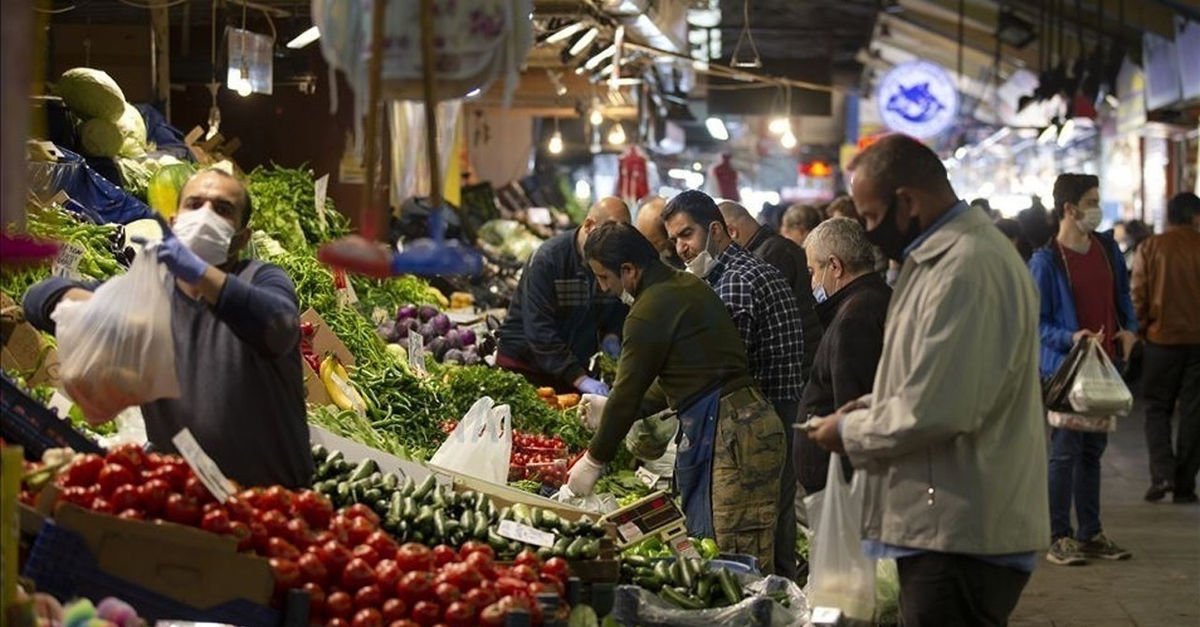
(379, 315)
(648, 478)
(343, 289)
(630, 532)
(523, 533)
(320, 190)
(60, 404)
(539, 215)
(683, 546)
(416, 352)
(203, 465)
(66, 264)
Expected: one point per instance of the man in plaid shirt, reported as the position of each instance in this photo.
(767, 316)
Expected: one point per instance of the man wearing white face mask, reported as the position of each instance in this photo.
(236, 330)
(1084, 292)
(767, 316)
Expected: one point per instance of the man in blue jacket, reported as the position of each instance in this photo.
(1084, 293)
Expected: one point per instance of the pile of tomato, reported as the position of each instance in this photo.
(355, 574)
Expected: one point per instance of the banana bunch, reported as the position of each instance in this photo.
(337, 383)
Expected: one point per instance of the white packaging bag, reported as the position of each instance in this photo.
(481, 444)
(116, 349)
(841, 576)
(1098, 389)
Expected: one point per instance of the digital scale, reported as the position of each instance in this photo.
(655, 516)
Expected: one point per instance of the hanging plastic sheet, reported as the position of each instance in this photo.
(410, 163)
(72, 175)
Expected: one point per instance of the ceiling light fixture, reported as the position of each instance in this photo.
(616, 135)
(565, 32)
(305, 38)
(595, 59)
(596, 118)
(788, 140)
(716, 128)
(555, 145)
(779, 126)
(745, 36)
(584, 41)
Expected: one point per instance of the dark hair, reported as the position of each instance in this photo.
(799, 215)
(247, 204)
(1182, 209)
(699, 206)
(1012, 230)
(897, 161)
(1069, 188)
(982, 202)
(615, 243)
(1035, 226)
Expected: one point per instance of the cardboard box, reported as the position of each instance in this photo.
(194, 567)
(355, 452)
(324, 342)
(23, 349)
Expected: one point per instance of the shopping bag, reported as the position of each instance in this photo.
(481, 444)
(116, 349)
(841, 576)
(1098, 389)
(1056, 388)
(1078, 422)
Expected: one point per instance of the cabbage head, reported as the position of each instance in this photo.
(91, 93)
(101, 138)
(133, 129)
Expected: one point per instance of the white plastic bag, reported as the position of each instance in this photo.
(841, 576)
(481, 444)
(116, 349)
(1098, 389)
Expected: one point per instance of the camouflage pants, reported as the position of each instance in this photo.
(748, 458)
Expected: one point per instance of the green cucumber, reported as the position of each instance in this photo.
(425, 488)
(729, 585)
(685, 601)
(364, 469)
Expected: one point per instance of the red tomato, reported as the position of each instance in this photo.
(312, 569)
(493, 615)
(394, 609)
(525, 572)
(298, 533)
(479, 597)
(339, 526)
(316, 599)
(322, 537)
(339, 604)
(359, 510)
(528, 558)
(367, 617)
(175, 474)
(132, 514)
(113, 475)
(357, 574)
(382, 543)
(84, 470)
(153, 495)
(275, 522)
(360, 530)
(216, 520)
(446, 593)
(287, 574)
(335, 555)
(76, 495)
(462, 576)
(387, 574)
(506, 586)
(552, 584)
(443, 555)
(459, 614)
(125, 497)
(473, 546)
(314, 508)
(130, 456)
(404, 622)
(237, 507)
(276, 498)
(154, 460)
(241, 531)
(196, 489)
(368, 596)
(258, 536)
(483, 563)
(415, 586)
(413, 556)
(182, 509)
(366, 553)
(558, 567)
(278, 547)
(102, 505)
(337, 622)
(426, 613)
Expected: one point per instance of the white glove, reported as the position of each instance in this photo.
(591, 407)
(584, 475)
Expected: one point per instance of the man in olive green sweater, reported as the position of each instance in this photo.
(681, 350)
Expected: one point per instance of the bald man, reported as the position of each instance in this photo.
(558, 318)
(650, 225)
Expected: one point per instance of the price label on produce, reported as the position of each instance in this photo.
(205, 468)
(343, 289)
(66, 264)
(648, 478)
(523, 533)
(416, 353)
(320, 190)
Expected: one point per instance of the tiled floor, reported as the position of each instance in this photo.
(1159, 586)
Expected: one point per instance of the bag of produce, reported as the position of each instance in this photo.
(1078, 422)
(1098, 389)
(841, 576)
(481, 445)
(116, 349)
(1055, 390)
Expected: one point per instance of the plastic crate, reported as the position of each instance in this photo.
(34, 426)
(736, 562)
(61, 565)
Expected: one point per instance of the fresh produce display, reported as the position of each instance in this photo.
(689, 583)
(285, 205)
(446, 341)
(557, 401)
(423, 511)
(46, 611)
(538, 458)
(654, 548)
(308, 543)
(55, 223)
(381, 296)
(625, 485)
(162, 191)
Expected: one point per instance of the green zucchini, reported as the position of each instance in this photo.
(729, 585)
(364, 469)
(575, 549)
(682, 600)
(425, 488)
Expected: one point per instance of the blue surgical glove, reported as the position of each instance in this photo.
(180, 260)
(611, 345)
(591, 386)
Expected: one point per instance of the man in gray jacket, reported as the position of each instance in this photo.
(951, 438)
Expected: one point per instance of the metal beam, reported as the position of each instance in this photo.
(160, 57)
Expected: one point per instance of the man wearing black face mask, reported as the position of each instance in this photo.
(951, 438)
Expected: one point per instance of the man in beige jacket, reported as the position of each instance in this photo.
(951, 438)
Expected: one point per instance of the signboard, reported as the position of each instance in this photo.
(917, 98)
